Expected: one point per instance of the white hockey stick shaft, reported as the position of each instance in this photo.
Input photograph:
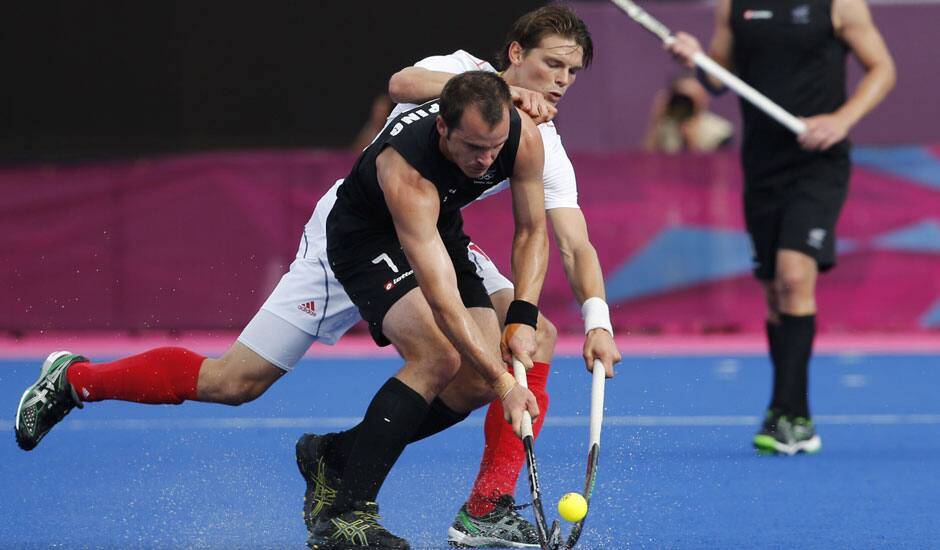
(709, 65)
(597, 402)
(744, 90)
(519, 370)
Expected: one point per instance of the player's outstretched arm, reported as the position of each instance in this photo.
(530, 241)
(853, 23)
(587, 282)
(417, 85)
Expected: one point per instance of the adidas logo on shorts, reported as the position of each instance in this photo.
(816, 237)
(309, 307)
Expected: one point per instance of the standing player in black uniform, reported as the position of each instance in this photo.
(396, 243)
(794, 51)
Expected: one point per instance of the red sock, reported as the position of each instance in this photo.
(503, 455)
(159, 376)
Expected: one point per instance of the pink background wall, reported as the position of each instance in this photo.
(197, 242)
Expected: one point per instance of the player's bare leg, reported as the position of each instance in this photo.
(239, 376)
(791, 327)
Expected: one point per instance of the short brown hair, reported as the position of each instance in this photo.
(531, 28)
(486, 90)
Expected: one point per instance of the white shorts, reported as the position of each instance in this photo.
(493, 280)
(309, 305)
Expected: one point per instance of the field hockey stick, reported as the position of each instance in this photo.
(548, 539)
(708, 65)
(594, 445)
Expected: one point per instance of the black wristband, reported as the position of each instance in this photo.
(706, 83)
(522, 312)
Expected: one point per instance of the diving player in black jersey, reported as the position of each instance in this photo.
(396, 243)
(794, 51)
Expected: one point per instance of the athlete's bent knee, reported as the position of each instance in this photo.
(239, 392)
(793, 282)
(441, 367)
(229, 384)
(478, 393)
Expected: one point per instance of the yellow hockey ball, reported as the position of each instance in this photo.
(572, 507)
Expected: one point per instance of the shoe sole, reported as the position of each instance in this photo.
(767, 445)
(458, 539)
(23, 443)
(320, 544)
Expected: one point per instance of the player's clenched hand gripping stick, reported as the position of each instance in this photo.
(518, 341)
(708, 65)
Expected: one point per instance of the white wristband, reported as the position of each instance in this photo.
(596, 314)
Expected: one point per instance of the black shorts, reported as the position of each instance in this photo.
(796, 209)
(376, 274)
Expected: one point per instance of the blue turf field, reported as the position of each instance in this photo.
(676, 467)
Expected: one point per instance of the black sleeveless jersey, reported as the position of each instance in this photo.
(788, 50)
(360, 210)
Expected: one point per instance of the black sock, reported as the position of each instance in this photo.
(773, 343)
(795, 344)
(391, 419)
(439, 418)
(339, 446)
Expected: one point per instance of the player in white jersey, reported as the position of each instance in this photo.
(544, 50)
(561, 190)
(542, 54)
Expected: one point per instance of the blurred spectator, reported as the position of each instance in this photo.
(680, 120)
(381, 107)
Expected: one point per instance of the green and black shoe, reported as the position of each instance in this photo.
(322, 480)
(780, 435)
(502, 527)
(47, 401)
(356, 529)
